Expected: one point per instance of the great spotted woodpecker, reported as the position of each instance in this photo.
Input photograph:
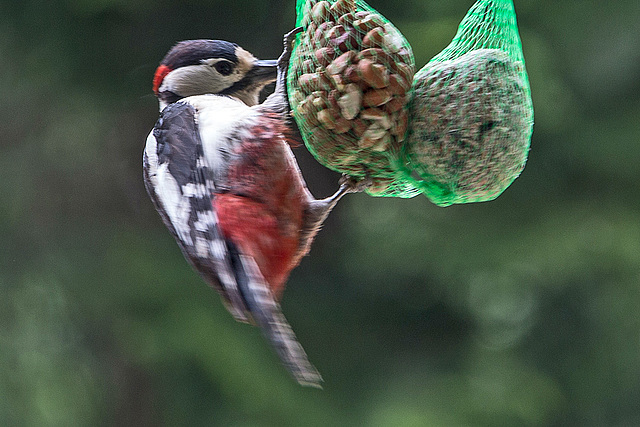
(220, 171)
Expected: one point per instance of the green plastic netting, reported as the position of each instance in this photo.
(349, 81)
(471, 114)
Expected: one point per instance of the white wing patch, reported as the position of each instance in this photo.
(176, 205)
(152, 156)
(194, 190)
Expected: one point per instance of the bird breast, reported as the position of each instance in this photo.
(261, 196)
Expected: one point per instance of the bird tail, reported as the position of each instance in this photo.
(267, 314)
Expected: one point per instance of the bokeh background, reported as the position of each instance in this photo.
(523, 311)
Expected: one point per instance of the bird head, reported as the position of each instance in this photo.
(198, 67)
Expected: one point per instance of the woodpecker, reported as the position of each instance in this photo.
(220, 171)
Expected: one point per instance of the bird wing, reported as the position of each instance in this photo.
(182, 187)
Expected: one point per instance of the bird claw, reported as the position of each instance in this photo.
(289, 38)
(355, 185)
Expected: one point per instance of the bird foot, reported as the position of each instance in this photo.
(289, 38)
(355, 185)
(279, 100)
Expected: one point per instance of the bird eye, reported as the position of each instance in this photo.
(223, 67)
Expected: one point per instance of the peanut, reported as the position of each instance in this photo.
(376, 75)
(347, 18)
(351, 74)
(374, 132)
(337, 82)
(325, 55)
(320, 11)
(342, 42)
(342, 125)
(397, 85)
(335, 32)
(377, 55)
(319, 38)
(377, 97)
(373, 38)
(395, 104)
(342, 7)
(355, 71)
(310, 82)
(377, 115)
(359, 127)
(382, 144)
(326, 118)
(338, 65)
(350, 102)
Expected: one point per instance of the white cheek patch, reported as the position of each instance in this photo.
(196, 80)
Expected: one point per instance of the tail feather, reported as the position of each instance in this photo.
(267, 314)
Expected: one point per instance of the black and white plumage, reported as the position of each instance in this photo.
(220, 172)
(180, 185)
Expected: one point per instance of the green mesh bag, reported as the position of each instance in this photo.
(348, 83)
(471, 112)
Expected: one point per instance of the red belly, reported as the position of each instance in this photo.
(258, 233)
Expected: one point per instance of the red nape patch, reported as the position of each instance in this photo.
(161, 73)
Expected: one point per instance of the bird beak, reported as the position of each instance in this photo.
(264, 71)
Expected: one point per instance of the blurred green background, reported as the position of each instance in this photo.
(523, 311)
